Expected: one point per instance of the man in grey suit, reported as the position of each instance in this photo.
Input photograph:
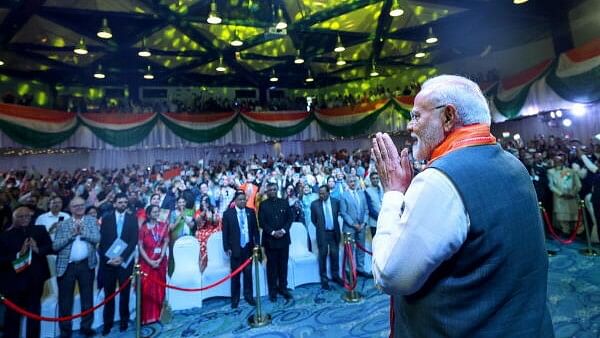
(355, 216)
(374, 194)
(75, 242)
(324, 214)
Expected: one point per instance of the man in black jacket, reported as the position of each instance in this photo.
(121, 225)
(275, 218)
(23, 284)
(240, 235)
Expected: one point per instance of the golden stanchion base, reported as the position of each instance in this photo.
(552, 253)
(589, 252)
(261, 321)
(352, 296)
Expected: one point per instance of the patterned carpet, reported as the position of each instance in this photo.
(574, 300)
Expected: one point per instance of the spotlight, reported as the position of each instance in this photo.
(505, 134)
(309, 77)
(578, 110)
(213, 15)
(516, 137)
(420, 55)
(80, 48)
(144, 52)
(519, 2)
(1, 63)
(273, 77)
(374, 71)
(567, 122)
(298, 60)
(396, 10)
(281, 24)
(339, 47)
(220, 67)
(99, 74)
(104, 32)
(148, 75)
(340, 61)
(552, 115)
(559, 113)
(430, 37)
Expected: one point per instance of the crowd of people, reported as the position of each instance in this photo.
(75, 215)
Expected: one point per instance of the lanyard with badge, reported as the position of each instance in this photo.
(157, 238)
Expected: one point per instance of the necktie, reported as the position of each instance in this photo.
(243, 231)
(328, 217)
(119, 224)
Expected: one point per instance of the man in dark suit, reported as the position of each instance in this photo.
(117, 225)
(23, 287)
(240, 235)
(275, 218)
(324, 214)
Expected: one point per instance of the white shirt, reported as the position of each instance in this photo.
(244, 227)
(79, 250)
(416, 232)
(47, 219)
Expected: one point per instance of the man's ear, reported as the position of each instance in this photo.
(449, 118)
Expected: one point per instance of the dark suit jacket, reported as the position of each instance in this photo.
(231, 231)
(108, 234)
(37, 273)
(317, 216)
(275, 214)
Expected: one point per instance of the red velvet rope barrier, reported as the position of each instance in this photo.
(349, 256)
(363, 249)
(220, 281)
(34, 316)
(550, 227)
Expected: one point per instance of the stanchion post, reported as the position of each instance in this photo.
(350, 296)
(550, 252)
(138, 300)
(589, 251)
(258, 319)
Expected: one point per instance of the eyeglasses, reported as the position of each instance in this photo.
(77, 205)
(415, 115)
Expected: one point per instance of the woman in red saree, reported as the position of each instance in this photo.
(153, 243)
(208, 221)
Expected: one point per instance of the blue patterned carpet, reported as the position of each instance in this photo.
(574, 300)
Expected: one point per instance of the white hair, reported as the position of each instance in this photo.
(464, 94)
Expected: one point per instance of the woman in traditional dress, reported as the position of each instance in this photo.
(153, 243)
(181, 224)
(208, 222)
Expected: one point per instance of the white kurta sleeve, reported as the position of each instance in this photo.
(416, 232)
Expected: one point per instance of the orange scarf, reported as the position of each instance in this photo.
(471, 135)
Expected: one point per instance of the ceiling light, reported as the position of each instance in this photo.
(1, 63)
(298, 60)
(338, 46)
(236, 42)
(144, 52)
(104, 32)
(577, 110)
(99, 74)
(340, 61)
(567, 122)
(80, 48)
(559, 113)
(281, 24)
(373, 72)
(519, 2)
(430, 37)
(420, 55)
(505, 134)
(273, 77)
(148, 75)
(213, 15)
(396, 10)
(309, 77)
(220, 67)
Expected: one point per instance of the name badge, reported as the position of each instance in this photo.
(157, 250)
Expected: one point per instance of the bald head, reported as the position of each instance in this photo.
(22, 216)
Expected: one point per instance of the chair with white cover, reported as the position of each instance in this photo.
(303, 263)
(186, 254)
(217, 267)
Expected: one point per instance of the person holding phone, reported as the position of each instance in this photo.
(51, 218)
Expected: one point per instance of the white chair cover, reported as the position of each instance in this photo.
(186, 254)
(303, 264)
